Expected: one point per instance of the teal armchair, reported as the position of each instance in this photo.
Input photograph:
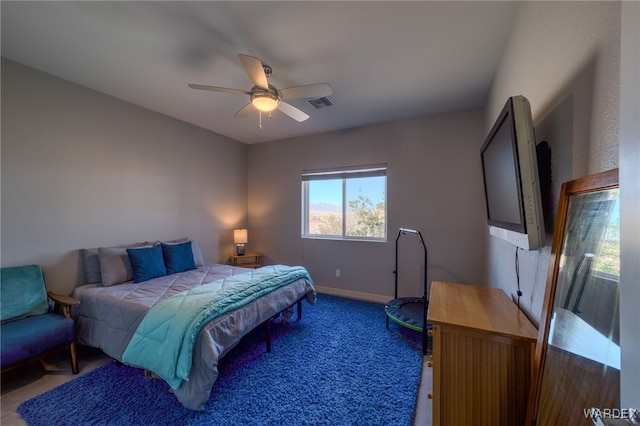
(31, 327)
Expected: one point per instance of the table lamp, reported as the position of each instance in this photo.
(240, 239)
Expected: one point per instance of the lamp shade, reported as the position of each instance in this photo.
(265, 103)
(240, 236)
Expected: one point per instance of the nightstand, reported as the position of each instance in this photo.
(247, 260)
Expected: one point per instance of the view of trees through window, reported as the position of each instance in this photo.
(346, 207)
(608, 258)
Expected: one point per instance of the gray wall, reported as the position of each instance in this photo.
(566, 58)
(82, 169)
(434, 184)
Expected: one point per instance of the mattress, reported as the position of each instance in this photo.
(107, 318)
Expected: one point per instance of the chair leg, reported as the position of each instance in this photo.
(74, 358)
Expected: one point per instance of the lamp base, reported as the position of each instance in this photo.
(240, 250)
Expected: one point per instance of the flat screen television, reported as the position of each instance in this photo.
(511, 182)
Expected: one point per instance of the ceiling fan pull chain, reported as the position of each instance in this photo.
(259, 119)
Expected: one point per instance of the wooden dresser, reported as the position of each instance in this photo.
(483, 349)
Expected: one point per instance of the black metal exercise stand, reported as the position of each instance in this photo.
(410, 312)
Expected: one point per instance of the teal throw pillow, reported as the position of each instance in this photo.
(178, 257)
(146, 263)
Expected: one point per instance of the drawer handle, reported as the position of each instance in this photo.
(429, 395)
(429, 364)
(430, 333)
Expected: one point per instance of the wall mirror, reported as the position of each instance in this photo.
(577, 360)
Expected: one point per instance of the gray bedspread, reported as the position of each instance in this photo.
(107, 318)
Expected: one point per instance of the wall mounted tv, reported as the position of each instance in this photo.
(511, 183)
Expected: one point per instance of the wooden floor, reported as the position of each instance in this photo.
(423, 406)
(26, 382)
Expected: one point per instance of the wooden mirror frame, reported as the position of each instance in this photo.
(597, 182)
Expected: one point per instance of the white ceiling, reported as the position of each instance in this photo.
(385, 60)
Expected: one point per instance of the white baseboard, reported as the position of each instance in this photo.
(368, 297)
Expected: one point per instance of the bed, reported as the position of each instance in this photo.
(113, 306)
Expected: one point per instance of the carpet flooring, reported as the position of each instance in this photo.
(339, 365)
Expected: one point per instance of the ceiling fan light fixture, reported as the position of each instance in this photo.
(265, 97)
(265, 102)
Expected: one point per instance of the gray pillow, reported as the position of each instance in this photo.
(91, 265)
(115, 267)
(197, 254)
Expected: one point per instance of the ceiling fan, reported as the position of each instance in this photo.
(264, 96)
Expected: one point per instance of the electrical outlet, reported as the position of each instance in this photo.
(337, 273)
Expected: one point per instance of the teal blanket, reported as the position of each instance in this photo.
(163, 342)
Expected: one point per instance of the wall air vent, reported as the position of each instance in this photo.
(319, 103)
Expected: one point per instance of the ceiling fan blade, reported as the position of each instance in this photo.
(317, 90)
(253, 67)
(292, 111)
(219, 89)
(246, 110)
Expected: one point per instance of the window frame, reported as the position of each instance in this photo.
(344, 174)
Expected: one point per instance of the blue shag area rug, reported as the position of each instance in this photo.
(339, 365)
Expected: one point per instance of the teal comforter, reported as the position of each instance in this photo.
(163, 342)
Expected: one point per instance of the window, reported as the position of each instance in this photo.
(345, 203)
